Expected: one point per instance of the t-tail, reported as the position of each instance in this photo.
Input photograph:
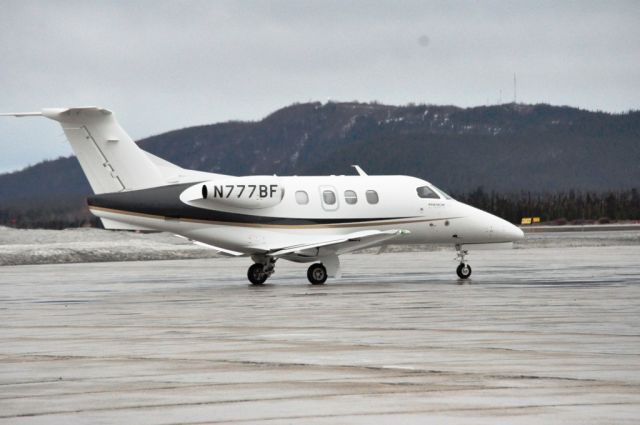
(110, 159)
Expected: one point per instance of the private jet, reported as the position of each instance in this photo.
(267, 218)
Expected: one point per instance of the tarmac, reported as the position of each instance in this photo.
(542, 334)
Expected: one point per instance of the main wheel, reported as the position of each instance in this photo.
(317, 274)
(256, 274)
(464, 271)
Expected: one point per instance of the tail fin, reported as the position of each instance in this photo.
(109, 158)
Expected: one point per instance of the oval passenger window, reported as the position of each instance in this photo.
(350, 197)
(302, 198)
(372, 197)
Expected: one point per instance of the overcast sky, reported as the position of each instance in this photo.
(162, 65)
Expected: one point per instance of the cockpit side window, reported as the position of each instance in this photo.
(427, 192)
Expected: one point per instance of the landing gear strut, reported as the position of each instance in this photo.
(317, 274)
(464, 269)
(261, 270)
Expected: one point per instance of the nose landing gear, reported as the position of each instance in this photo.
(464, 269)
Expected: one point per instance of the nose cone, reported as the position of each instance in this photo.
(483, 227)
(507, 232)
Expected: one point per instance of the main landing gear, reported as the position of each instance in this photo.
(317, 274)
(263, 268)
(261, 271)
(464, 269)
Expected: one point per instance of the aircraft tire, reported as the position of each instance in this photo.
(463, 271)
(317, 274)
(256, 274)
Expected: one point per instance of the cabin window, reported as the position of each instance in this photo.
(302, 198)
(350, 197)
(329, 197)
(427, 192)
(372, 197)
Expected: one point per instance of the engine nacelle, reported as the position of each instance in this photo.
(252, 192)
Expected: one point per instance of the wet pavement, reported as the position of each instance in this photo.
(541, 334)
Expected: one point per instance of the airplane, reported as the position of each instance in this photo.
(296, 218)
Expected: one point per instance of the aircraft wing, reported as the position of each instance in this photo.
(339, 244)
(223, 251)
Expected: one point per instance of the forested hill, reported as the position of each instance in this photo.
(503, 148)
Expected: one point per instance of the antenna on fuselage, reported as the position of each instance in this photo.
(359, 170)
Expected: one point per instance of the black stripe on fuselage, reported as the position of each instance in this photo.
(165, 202)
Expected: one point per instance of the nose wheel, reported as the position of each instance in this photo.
(464, 270)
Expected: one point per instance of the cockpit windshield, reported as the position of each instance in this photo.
(432, 192)
(443, 193)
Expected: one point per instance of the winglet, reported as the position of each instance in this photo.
(359, 170)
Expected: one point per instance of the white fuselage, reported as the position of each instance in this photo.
(438, 220)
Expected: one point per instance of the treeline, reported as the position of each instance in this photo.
(58, 213)
(560, 207)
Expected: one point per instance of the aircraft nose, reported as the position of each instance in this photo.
(508, 232)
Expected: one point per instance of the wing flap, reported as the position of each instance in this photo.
(224, 251)
(343, 243)
(220, 250)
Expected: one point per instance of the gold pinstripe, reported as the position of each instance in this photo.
(273, 226)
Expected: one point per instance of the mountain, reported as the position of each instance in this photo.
(503, 148)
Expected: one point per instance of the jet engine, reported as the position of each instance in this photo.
(252, 192)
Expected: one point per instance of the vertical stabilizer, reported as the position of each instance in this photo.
(109, 158)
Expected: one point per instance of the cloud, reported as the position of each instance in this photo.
(165, 64)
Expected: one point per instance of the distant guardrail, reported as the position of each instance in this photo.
(580, 228)
(529, 220)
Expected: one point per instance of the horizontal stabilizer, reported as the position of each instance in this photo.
(21, 114)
